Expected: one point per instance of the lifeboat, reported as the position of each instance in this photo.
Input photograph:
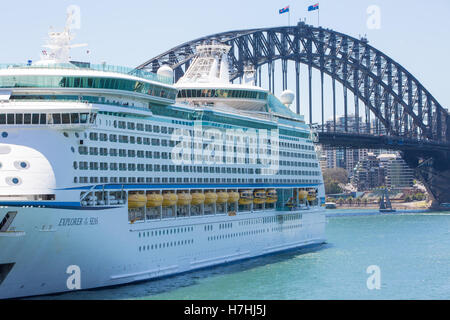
(136, 200)
(246, 197)
(311, 195)
(233, 196)
(259, 197)
(272, 196)
(169, 199)
(184, 199)
(210, 197)
(222, 197)
(154, 200)
(302, 195)
(197, 198)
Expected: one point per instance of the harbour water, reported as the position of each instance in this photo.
(411, 249)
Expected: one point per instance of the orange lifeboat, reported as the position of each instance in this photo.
(272, 196)
(154, 200)
(222, 197)
(210, 197)
(233, 196)
(169, 199)
(245, 197)
(259, 197)
(184, 199)
(197, 198)
(136, 200)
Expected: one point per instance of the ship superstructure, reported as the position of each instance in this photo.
(123, 176)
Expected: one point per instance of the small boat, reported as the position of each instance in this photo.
(330, 205)
(246, 197)
(259, 197)
(136, 200)
(222, 197)
(184, 199)
(385, 203)
(233, 196)
(154, 200)
(169, 199)
(272, 196)
(210, 197)
(198, 198)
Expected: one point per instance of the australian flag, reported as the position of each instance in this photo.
(286, 9)
(313, 7)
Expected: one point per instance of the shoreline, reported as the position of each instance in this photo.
(416, 205)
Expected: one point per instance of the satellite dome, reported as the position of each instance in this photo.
(287, 97)
(165, 71)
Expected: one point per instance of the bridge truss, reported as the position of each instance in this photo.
(394, 96)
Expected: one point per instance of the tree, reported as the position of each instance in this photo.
(350, 201)
(332, 178)
(332, 187)
(337, 174)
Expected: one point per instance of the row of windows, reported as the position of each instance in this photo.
(158, 180)
(166, 245)
(237, 234)
(46, 118)
(164, 232)
(94, 136)
(206, 134)
(296, 146)
(104, 166)
(221, 93)
(291, 217)
(282, 228)
(18, 81)
(94, 151)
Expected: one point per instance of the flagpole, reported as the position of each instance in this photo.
(318, 17)
(289, 18)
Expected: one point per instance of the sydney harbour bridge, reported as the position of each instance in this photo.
(407, 116)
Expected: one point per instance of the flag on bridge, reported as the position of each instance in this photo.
(284, 10)
(313, 7)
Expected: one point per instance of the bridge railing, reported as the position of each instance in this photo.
(352, 129)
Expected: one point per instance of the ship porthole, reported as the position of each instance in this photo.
(13, 181)
(21, 165)
(5, 134)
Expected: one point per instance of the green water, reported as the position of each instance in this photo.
(412, 251)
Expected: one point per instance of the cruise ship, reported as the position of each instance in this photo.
(111, 175)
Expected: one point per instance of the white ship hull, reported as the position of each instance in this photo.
(110, 251)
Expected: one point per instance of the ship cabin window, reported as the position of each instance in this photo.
(43, 118)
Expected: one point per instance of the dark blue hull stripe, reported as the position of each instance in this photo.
(54, 205)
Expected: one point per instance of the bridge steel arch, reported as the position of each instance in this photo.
(414, 122)
(391, 93)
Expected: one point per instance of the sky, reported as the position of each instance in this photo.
(413, 33)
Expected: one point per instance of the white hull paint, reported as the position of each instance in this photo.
(110, 251)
